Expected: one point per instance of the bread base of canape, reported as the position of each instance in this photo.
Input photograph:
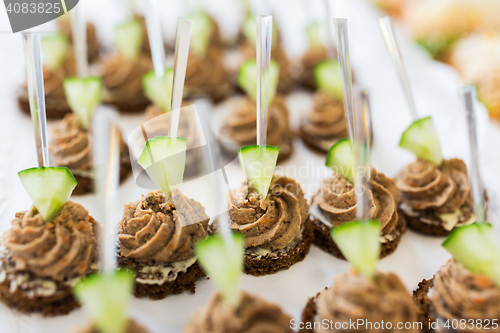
(323, 238)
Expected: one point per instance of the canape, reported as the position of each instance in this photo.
(122, 72)
(278, 54)
(326, 123)
(206, 73)
(372, 300)
(158, 232)
(49, 248)
(464, 295)
(59, 63)
(240, 125)
(315, 54)
(93, 45)
(71, 144)
(335, 202)
(271, 212)
(231, 309)
(435, 194)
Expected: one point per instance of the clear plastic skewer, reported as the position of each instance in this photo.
(345, 70)
(466, 94)
(106, 155)
(155, 38)
(182, 41)
(79, 34)
(263, 56)
(36, 94)
(330, 44)
(361, 149)
(385, 24)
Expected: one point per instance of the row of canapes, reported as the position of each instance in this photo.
(55, 241)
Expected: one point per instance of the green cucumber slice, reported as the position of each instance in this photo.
(359, 242)
(247, 78)
(313, 32)
(83, 95)
(222, 259)
(128, 39)
(54, 48)
(106, 297)
(164, 161)
(202, 30)
(476, 248)
(259, 164)
(159, 89)
(327, 77)
(421, 138)
(340, 159)
(249, 30)
(49, 188)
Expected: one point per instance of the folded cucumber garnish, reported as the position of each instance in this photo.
(105, 298)
(475, 247)
(314, 35)
(83, 95)
(327, 77)
(54, 47)
(249, 30)
(340, 159)
(159, 89)
(259, 163)
(49, 188)
(128, 39)
(247, 78)
(421, 138)
(164, 161)
(222, 259)
(359, 242)
(202, 31)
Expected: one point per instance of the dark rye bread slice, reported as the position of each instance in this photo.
(85, 185)
(323, 238)
(55, 108)
(308, 315)
(61, 303)
(24, 299)
(429, 223)
(424, 312)
(268, 264)
(184, 281)
(128, 106)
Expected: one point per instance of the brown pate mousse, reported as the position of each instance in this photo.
(157, 235)
(241, 125)
(132, 327)
(253, 314)
(273, 222)
(436, 196)
(55, 97)
(40, 253)
(325, 124)
(206, 74)
(353, 297)
(71, 147)
(312, 57)
(337, 200)
(92, 42)
(459, 294)
(122, 81)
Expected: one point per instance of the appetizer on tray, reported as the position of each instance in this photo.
(157, 233)
(49, 247)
